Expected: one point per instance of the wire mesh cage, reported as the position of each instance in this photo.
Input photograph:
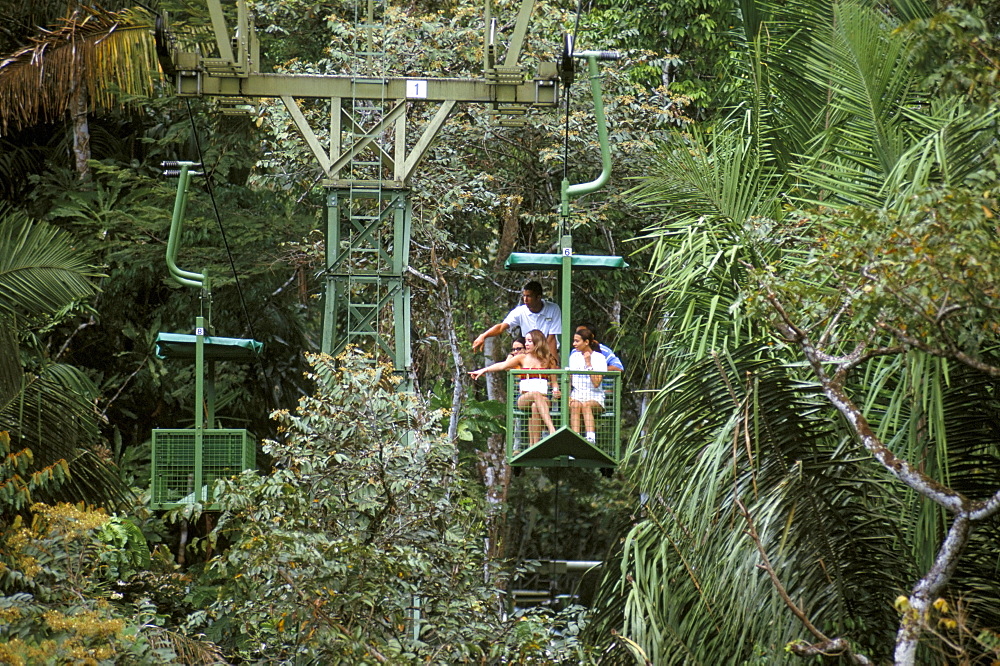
(180, 476)
(549, 426)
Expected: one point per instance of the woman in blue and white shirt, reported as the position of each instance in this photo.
(587, 397)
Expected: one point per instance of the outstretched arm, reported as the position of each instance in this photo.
(514, 362)
(492, 331)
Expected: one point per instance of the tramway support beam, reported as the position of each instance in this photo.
(537, 92)
(367, 299)
(233, 73)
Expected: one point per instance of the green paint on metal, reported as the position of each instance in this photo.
(187, 462)
(367, 300)
(225, 453)
(564, 447)
(530, 261)
(569, 191)
(181, 276)
(182, 346)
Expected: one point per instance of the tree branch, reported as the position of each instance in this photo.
(426, 278)
(928, 587)
(937, 577)
(826, 646)
(62, 349)
(957, 354)
(834, 391)
(107, 406)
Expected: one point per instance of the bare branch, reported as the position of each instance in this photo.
(62, 349)
(290, 280)
(954, 353)
(901, 469)
(854, 360)
(826, 646)
(824, 337)
(986, 508)
(834, 391)
(426, 278)
(832, 648)
(142, 364)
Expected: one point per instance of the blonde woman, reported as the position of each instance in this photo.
(534, 388)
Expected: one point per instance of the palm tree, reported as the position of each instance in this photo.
(47, 407)
(742, 460)
(94, 60)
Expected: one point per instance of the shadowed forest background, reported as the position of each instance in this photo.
(806, 195)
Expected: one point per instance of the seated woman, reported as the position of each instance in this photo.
(534, 388)
(516, 347)
(587, 397)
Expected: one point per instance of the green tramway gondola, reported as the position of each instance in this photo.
(186, 462)
(566, 447)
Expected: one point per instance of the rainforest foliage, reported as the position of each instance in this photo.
(806, 193)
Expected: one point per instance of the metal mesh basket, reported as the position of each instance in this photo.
(566, 446)
(179, 478)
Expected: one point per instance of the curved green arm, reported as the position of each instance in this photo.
(602, 135)
(566, 242)
(181, 276)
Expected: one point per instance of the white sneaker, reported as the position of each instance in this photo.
(592, 438)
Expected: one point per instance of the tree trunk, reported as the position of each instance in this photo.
(78, 119)
(495, 471)
(458, 376)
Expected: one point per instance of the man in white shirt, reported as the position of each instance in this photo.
(534, 313)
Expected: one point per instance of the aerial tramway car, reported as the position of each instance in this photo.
(186, 462)
(566, 447)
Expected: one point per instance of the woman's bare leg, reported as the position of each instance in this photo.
(575, 410)
(543, 410)
(534, 421)
(539, 414)
(534, 425)
(589, 409)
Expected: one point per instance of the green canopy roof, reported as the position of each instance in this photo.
(182, 346)
(528, 261)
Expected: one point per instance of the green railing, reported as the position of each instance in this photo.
(530, 441)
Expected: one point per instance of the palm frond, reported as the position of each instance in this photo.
(709, 189)
(108, 52)
(689, 590)
(719, 177)
(863, 67)
(10, 360)
(797, 105)
(53, 414)
(40, 271)
(956, 145)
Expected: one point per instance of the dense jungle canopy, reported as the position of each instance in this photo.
(806, 195)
